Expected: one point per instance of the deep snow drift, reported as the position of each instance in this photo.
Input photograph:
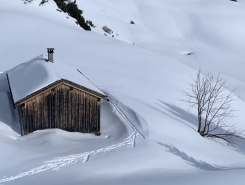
(143, 69)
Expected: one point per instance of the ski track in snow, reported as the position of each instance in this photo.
(60, 162)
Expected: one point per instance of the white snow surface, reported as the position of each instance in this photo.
(143, 69)
(37, 73)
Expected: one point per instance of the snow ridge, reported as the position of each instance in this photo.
(125, 118)
(116, 107)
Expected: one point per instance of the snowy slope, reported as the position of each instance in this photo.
(212, 31)
(144, 72)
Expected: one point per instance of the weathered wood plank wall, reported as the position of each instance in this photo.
(61, 107)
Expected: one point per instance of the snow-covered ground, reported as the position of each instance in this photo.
(143, 69)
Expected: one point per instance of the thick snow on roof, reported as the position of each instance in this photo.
(37, 73)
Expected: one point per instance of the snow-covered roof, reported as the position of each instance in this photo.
(36, 74)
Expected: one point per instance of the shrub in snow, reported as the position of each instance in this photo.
(131, 22)
(72, 10)
(90, 23)
(27, 1)
(189, 53)
(107, 30)
(42, 2)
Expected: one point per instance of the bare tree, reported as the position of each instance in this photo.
(213, 102)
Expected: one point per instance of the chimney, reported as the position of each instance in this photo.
(50, 54)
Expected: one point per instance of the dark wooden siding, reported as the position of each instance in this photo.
(63, 107)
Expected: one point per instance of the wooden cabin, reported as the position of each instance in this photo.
(50, 94)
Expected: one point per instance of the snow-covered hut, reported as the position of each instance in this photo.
(54, 95)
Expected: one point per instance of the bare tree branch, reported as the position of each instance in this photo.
(213, 102)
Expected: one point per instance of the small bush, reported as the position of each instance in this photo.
(107, 30)
(43, 2)
(132, 22)
(90, 23)
(27, 1)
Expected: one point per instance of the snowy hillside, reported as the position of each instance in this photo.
(211, 31)
(148, 135)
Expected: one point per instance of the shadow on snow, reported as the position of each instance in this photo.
(194, 162)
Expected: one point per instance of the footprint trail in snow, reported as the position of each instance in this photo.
(61, 162)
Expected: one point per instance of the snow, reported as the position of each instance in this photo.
(211, 30)
(143, 69)
(37, 73)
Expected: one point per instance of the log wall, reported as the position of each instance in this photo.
(63, 107)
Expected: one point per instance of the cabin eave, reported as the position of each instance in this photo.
(55, 84)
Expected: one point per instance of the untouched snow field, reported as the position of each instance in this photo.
(143, 69)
